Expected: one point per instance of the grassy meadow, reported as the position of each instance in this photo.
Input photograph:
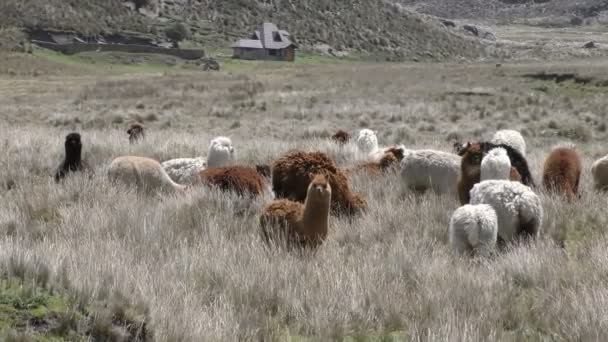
(113, 263)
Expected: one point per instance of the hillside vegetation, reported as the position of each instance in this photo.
(368, 26)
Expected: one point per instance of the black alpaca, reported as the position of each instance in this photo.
(73, 157)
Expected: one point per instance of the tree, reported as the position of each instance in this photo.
(176, 33)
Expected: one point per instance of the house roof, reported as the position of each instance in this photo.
(268, 37)
(248, 44)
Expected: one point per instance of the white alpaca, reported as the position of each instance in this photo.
(367, 142)
(518, 208)
(599, 170)
(496, 165)
(510, 138)
(474, 229)
(143, 173)
(428, 169)
(186, 170)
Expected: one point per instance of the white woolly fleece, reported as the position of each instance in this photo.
(474, 228)
(367, 142)
(515, 205)
(510, 138)
(599, 170)
(429, 169)
(143, 173)
(496, 165)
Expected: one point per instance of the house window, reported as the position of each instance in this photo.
(277, 37)
(273, 52)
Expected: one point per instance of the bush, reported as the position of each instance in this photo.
(177, 32)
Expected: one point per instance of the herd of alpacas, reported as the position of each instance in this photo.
(491, 179)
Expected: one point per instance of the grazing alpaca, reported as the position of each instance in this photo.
(389, 162)
(136, 132)
(293, 172)
(144, 173)
(511, 138)
(186, 170)
(562, 172)
(476, 167)
(518, 161)
(474, 229)
(303, 225)
(239, 179)
(341, 137)
(518, 208)
(423, 170)
(599, 170)
(72, 161)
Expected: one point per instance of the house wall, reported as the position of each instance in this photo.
(262, 54)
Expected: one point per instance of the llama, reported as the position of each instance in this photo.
(474, 229)
(518, 209)
(599, 170)
(144, 173)
(72, 161)
(562, 172)
(293, 172)
(136, 132)
(389, 162)
(367, 141)
(303, 225)
(186, 170)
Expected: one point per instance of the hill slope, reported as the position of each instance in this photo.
(370, 26)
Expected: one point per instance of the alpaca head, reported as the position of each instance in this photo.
(398, 151)
(221, 152)
(472, 154)
(341, 137)
(388, 161)
(73, 147)
(367, 141)
(319, 190)
(135, 132)
(496, 164)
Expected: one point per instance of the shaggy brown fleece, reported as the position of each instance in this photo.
(562, 172)
(293, 172)
(302, 225)
(264, 170)
(387, 163)
(240, 179)
(341, 137)
(135, 132)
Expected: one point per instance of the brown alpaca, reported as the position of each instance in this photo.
(470, 170)
(387, 163)
(293, 172)
(240, 179)
(135, 132)
(302, 225)
(341, 137)
(562, 172)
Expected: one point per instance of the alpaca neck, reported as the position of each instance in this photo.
(316, 216)
(72, 156)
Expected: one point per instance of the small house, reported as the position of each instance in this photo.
(266, 43)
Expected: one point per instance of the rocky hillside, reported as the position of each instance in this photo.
(377, 27)
(509, 10)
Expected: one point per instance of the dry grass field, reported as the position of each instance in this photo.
(193, 266)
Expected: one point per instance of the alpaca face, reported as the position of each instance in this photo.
(221, 152)
(472, 155)
(367, 141)
(319, 188)
(135, 132)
